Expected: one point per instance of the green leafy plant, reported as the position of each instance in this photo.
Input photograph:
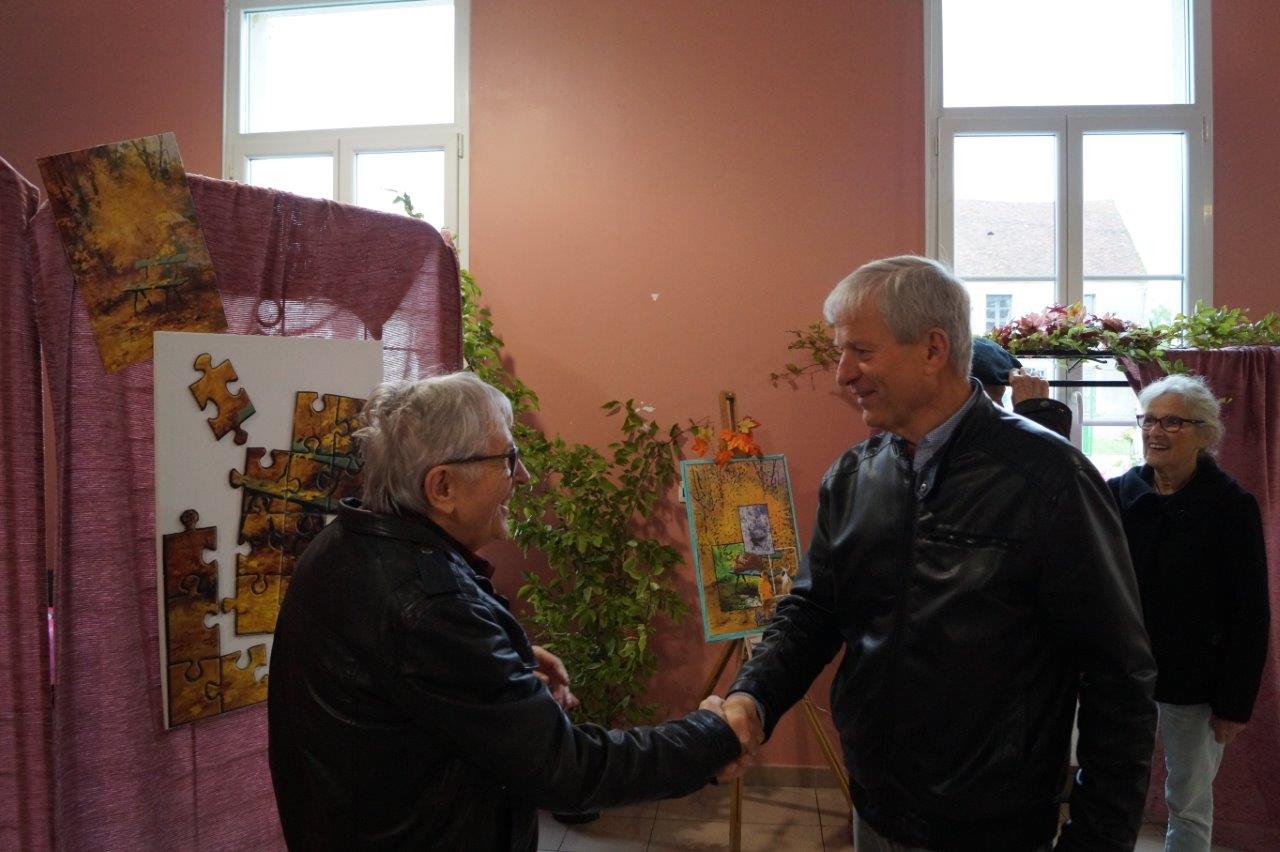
(591, 515)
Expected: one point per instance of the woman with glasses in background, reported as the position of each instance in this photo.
(1195, 537)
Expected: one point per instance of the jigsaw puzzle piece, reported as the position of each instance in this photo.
(270, 483)
(240, 686)
(256, 604)
(260, 561)
(186, 636)
(328, 430)
(194, 687)
(233, 409)
(186, 574)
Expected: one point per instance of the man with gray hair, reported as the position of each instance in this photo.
(406, 707)
(974, 570)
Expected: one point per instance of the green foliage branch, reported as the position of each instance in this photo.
(586, 512)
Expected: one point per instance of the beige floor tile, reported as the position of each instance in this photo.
(642, 809)
(550, 832)
(833, 807)
(709, 803)
(781, 838)
(609, 834)
(780, 806)
(836, 838)
(689, 835)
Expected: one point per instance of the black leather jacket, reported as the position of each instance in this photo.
(404, 714)
(971, 619)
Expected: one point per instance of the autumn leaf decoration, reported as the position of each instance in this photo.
(732, 442)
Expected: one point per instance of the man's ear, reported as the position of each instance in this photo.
(937, 351)
(438, 487)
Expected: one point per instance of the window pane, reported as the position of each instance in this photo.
(312, 175)
(381, 176)
(1143, 302)
(349, 66)
(1134, 193)
(1006, 189)
(1112, 449)
(1012, 299)
(1022, 53)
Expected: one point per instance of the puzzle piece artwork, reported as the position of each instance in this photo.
(185, 571)
(256, 604)
(194, 688)
(240, 687)
(233, 409)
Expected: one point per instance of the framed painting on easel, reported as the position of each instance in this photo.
(742, 532)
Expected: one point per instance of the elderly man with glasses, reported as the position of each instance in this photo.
(407, 708)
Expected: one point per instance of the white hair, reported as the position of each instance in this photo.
(1199, 399)
(412, 426)
(913, 295)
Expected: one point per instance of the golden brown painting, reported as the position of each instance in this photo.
(129, 229)
(743, 534)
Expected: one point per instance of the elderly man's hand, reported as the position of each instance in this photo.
(740, 712)
(553, 673)
(1027, 386)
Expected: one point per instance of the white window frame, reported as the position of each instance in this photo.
(343, 144)
(1069, 124)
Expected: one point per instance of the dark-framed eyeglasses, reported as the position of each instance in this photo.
(1169, 423)
(512, 456)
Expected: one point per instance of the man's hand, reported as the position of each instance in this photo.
(553, 673)
(1225, 730)
(739, 711)
(1026, 386)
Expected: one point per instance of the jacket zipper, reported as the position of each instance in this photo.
(898, 628)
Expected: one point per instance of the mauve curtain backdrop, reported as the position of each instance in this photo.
(286, 265)
(26, 772)
(1247, 791)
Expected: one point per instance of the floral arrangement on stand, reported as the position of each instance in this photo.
(1072, 333)
(734, 443)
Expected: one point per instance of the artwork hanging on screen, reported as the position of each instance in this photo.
(128, 227)
(743, 535)
(254, 450)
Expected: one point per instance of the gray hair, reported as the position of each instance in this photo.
(1199, 399)
(913, 295)
(412, 426)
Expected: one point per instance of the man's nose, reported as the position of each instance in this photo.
(846, 370)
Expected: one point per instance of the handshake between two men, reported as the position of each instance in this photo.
(739, 710)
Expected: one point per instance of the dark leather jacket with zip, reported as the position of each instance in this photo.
(404, 714)
(971, 618)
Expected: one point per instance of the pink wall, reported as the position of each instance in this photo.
(735, 158)
(1246, 170)
(78, 73)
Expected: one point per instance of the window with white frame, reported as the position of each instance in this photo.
(354, 101)
(1069, 160)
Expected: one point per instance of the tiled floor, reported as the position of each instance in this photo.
(778, 819)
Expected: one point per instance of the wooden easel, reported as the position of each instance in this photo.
(738, 649)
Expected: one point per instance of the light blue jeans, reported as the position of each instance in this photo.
(1192, 756)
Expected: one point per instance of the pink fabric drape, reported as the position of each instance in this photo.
(1247, 790)
(286, 266)
(26, 772)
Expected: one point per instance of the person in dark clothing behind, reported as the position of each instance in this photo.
(406, 707)
(996, 369)
(1197, 545)
(966, 639)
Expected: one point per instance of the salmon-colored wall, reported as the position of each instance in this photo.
(733, 157)
(78, 73)
(660, 190)
(1246, 171)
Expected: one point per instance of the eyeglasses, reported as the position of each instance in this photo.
(512, 456)
(1169, 423)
